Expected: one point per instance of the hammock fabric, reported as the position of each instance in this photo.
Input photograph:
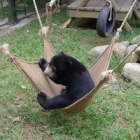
(35, 76)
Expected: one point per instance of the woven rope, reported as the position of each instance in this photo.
(39, 18)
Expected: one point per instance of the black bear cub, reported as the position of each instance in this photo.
(67, 71)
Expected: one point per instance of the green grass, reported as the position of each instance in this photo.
(113, 114)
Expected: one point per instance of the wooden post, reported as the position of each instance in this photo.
(12, 14)
(66, 23)
(127, 27)
(136, 12)
(52, 2)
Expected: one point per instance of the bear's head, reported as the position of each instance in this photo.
(63, 65)
(58, 65)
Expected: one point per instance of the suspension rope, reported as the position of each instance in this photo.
(119, 30)
(130, 10)
(39, 18)
(125, 58)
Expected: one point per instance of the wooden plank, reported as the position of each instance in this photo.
(93, 3)
(77, 3)
(123, 5)
(126, 6)
(120, 4)
(99, 6)
(120, 16)
(92, 14)
(83, 3)
(74, 4)
(86, 8)
(83, 14)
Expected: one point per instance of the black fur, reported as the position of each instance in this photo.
(71, 74)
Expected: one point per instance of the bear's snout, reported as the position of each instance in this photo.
(49, 71)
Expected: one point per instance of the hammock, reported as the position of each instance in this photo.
(35, 76)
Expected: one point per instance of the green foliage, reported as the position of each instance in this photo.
(4, 12)
(113, 114)
(135, 23)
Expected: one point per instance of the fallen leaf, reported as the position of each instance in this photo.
(23, 87)
(101, 111)
(16, 119)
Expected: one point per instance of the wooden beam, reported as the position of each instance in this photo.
(136, 12)
(83, 14)
(66, 23)
(127, 28)
(91, 14)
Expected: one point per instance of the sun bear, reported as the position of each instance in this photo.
(67, 71)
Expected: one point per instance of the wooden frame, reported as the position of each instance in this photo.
(87, 9)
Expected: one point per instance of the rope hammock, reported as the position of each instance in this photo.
(98, 70)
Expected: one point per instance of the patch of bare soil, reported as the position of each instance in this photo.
(85, 23)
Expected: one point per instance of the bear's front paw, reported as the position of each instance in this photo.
(42, 62)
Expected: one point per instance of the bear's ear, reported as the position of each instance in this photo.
(68, 63)
(62, 52)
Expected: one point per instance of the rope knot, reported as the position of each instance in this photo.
(119, 30)
(117, 36)
(44, 31)
(108, 75)
(4, 49)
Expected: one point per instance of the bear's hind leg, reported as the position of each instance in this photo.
(56, 102)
